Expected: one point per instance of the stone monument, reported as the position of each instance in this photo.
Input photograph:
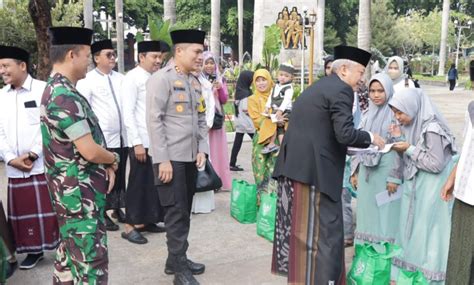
(289, 17)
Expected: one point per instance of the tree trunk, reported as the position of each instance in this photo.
(258, 32)
(88, 16)
(215, 43)
(320, 32)
(364, 32)
(240, 12)
(444, 37)
(169, 7)
(40, 12)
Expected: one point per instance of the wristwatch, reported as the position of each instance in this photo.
(116, 159)
(32, 156)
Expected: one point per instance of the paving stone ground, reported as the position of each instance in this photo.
(232, 252)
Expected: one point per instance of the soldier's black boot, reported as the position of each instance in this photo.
(110, 225)
(196, 268)
(182, 275)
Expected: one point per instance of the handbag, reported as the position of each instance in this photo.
(207, 179)
(218, 121)
(372, 264)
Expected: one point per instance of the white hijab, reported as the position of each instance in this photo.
(425, 118)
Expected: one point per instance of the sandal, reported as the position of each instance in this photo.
(134, 237)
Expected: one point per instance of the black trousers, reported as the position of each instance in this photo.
(143, 203)
(116, 198)
(177, 197)
(239, 137)
(452, 84)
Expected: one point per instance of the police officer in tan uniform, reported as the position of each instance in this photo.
(176, 122)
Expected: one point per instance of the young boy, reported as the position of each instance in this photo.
(279, 102)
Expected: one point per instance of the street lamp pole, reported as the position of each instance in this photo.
(312, 21)
(119, 32)
(305, 11)
(460, 27)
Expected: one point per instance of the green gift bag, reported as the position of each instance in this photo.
(243, 201)
(372, 264)
(266, 216)
(411, 278)
(3, 262)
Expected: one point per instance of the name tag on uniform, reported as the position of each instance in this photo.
(30, 104)
(178, 85)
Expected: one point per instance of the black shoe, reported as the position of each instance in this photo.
(110, 225)
(119, 215)
(11, 268)
(152, 228)
(184, 277)
(134, 237)
(235, 168)
(195, 268)
(31, 260)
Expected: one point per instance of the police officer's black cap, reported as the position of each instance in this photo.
(352, 53)
(14, 53)
(100, 45)
(165, 47)
(70, 36)
(188, 37)
(147, 46)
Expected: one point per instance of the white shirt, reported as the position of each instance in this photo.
(134, 106)
(287, 98)
(209, 100)
(400, 85)
(103, 92)
(20, 125)
(464, 183)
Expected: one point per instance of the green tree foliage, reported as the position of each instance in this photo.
(331, 38)
(16, 26)
(271, 47)
(159, 30)
(340, 15)
(190, 14)
(407, 31)
(403, 7)
(135, 12)
(385, 35)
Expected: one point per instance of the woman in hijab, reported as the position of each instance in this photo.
(243, 123)
(428, 148)
(374, 173)
(214, 91)
(328, 60)
(262, 163)
(394, 69)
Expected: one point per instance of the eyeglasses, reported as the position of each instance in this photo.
(109, 55)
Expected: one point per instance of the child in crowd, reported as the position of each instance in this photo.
(279, 103)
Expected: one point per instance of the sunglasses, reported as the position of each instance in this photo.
(111, 55)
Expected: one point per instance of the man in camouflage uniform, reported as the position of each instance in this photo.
(77, 164)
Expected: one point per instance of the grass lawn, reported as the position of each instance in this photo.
(437, 78)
